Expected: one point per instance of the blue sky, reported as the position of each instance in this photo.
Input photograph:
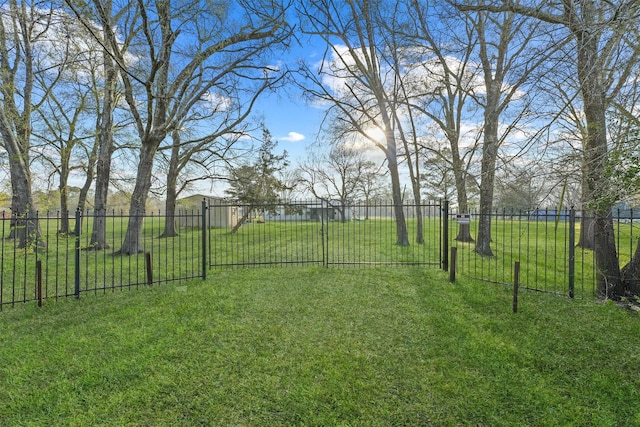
(294, 123)
(292, 120)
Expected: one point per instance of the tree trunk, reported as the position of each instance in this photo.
(64, 202)
(24, 218)
(242, 220)
(91, 165)
(586, 239)
(414, 177)
(172, 192)
(586, 230)
(402, 236)
(464, 230)
(630, 274)
(595, 154)
(488, 173)
(170, 211)
(418, 209)
(105, 151)
(132, 243)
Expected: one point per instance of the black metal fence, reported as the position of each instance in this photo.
(545, 243)
(55, 264)
(323, 233)
(552, 248)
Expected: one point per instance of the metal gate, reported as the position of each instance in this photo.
(323, 233)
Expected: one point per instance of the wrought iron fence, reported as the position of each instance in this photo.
(323, 233)
(551, 246)
(55, 263)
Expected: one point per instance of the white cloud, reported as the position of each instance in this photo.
(293, 137)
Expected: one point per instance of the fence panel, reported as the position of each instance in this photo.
(276, 234)
(541, 241)
(70, 265)
(368, 236)
(320, 232)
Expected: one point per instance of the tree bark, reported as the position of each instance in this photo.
(172, 189)
(90, 171)
(590, 76)
(64, 202)
(245, 216)
(105, 151)
(133, 243)
(630, 274)
(23, 219)
(402, 236)
(488, 173)
(464, 230)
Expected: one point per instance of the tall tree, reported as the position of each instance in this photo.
(605, 37)
(23, 26)
(209, 155)
(441, 81)
(64, 139)
(339, 175)
(207, 137)
(508, 55)
(170, 55)
(256, 185)
(352, 81)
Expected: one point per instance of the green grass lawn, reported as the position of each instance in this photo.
(314, 346)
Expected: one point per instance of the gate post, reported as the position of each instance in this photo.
(445, 236)
(203, 220)
(77, 254)
(324, 234)
(572, 251)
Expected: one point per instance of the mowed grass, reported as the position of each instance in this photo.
(315, 346)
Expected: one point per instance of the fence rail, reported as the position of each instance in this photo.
(547, 244)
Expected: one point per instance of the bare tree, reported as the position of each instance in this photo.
(64, 140)
(339, 175)
(441, 80)
(173, 54)
(605, 35)
(199, 153)
(352, 81)
(23, 27)
(508, 55)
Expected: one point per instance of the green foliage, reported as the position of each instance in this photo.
(311, 346)
(256, 183)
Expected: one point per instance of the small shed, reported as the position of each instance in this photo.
(221, 213)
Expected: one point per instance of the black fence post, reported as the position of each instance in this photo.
(445, 235)
(324, 232)
(77, 254)
(516, 285)
(204, 239)
(39, 281)
(452, 270)
(149, 266)
(572, 252)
